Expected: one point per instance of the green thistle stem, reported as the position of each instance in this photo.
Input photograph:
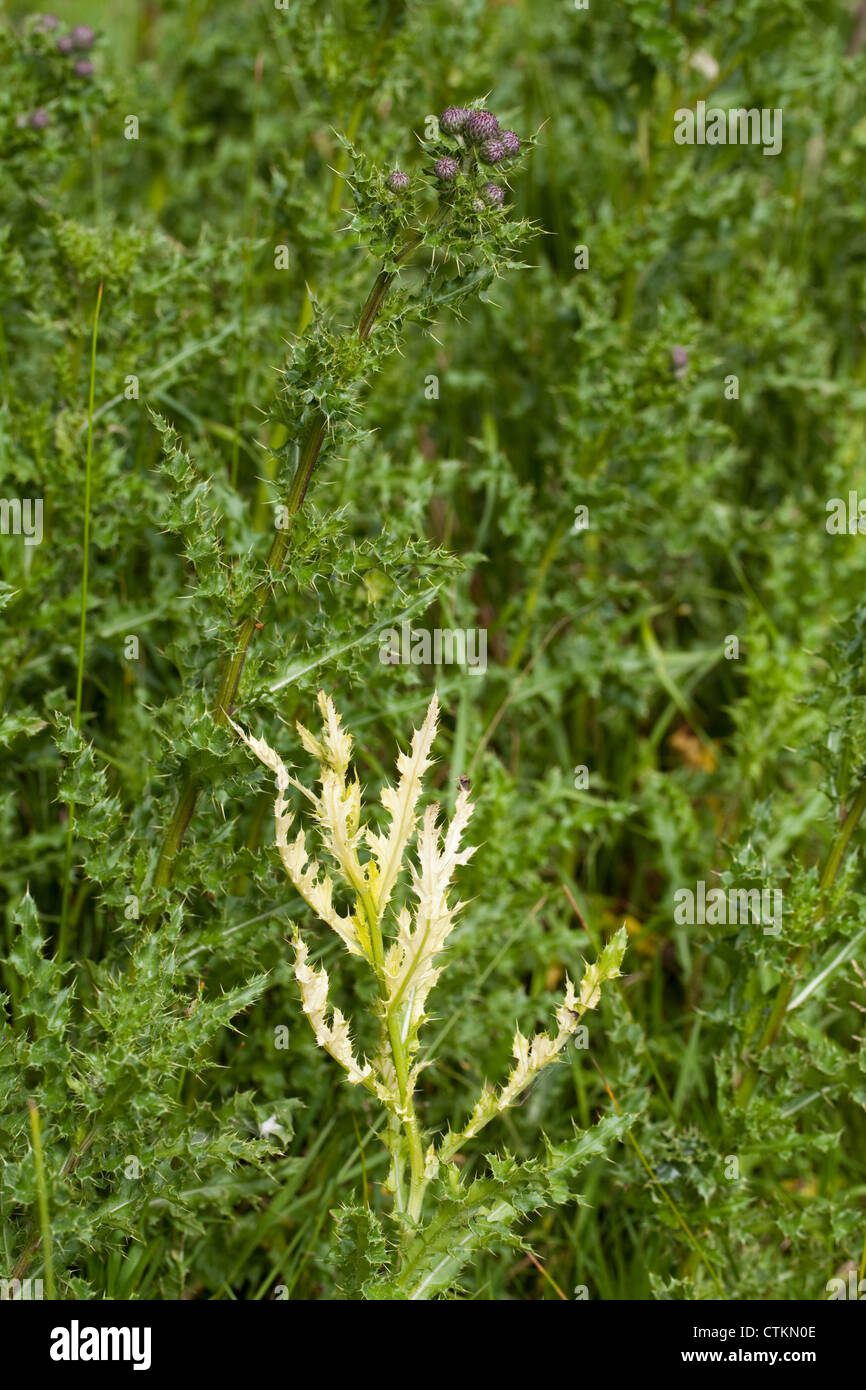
(42, 1198)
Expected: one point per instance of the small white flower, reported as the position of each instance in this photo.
(704, 63)
(271, 1126)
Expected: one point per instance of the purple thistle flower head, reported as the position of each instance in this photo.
(446, 169)
(481, 126)
(679, 360)
(39, 118)
(453, 119)
(82, 36)
(45, 22)
(65, 43)
(493, 194)
(84, 67)
(397, 181)
(493, 151)
(511, 142)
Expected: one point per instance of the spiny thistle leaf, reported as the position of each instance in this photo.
(400, 804)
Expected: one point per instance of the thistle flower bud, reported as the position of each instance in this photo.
(84, 67)
(493, 151)
(398, 182)
(679, 361)
(65, 44)
(446, 169)
(511, 141)
(453, 119)
(82, 36)
(493, 194)
(39, 119)
(45, 22)
(481, 126)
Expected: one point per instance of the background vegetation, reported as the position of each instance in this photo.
(186, 1152)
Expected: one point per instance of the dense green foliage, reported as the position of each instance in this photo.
(196, 1142)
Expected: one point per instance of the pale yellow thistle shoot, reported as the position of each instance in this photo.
(407, 969)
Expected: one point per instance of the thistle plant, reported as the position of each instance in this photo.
(402, 943)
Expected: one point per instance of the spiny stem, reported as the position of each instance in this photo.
(228, 689)
(175, 831)
(408, 1117)
(410, 1121)
(82, 629)
(42, 1197)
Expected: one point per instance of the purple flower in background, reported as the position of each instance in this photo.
(46, 22)
(446, 169)
(65, 44)
(679, 361)
(39, 119)
(84, 67)
(82, 36)
(481, 126)
(398, 182)
(453, 119)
